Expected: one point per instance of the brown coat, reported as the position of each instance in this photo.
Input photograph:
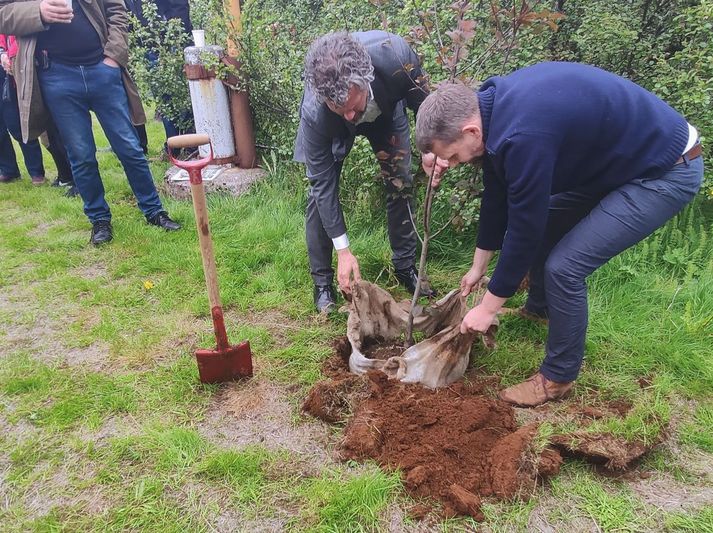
(21, 18)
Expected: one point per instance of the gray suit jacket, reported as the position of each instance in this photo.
(324, 138)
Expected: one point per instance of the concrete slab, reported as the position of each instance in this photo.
(224, 179)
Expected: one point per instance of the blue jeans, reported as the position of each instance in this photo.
(70, 92)
(31, 151)
(584, 231)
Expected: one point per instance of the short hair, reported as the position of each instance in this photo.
(334, 63)
(442, 114)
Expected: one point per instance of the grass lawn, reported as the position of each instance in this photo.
(104, 425)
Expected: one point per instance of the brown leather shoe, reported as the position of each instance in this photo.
(536, 390)
(38, 180)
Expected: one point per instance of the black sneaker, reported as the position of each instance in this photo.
(72, 191)
(162, 220)
(325, 299)
(101, 232)
(408, 277)
(58, 182)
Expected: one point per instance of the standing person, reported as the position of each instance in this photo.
(81, 54)
(31, 151)
(578, 165)
(357, 84)
(51, 139)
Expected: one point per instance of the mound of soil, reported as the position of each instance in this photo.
(452, 444)
(615, 453)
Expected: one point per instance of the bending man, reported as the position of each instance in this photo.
(578, 165)
(357, 84)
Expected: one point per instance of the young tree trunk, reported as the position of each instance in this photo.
(424, 256)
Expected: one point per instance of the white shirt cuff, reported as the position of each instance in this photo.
(341, 242)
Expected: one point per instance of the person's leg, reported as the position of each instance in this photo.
(622, 218)
(65, 95)
(393, 150)
(9, 170)
(59, 154)
(319, 245)
(31, 150)
(566, 210)
(109, 102)
(143, 137)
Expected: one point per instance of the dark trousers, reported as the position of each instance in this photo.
(584, 231)
(398, 181)
(58, 152)
(31, 151)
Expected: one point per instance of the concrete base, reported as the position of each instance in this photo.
(216, 178)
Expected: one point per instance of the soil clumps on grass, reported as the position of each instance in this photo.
(454, 444)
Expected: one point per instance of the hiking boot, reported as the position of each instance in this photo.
(408, 277)
(162, 220)
(536, 390)
(101, 232)
(38, 180)
(8, 179)
(72, 191)
(325, 299)
(538, 318)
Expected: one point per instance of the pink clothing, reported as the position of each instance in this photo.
(9, 43)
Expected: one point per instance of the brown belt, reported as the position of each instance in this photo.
(694, 152)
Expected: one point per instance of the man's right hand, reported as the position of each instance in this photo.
(428, 161)
(347, 267)
(55, 11)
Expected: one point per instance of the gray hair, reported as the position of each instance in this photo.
(443, 113)
(334, 63)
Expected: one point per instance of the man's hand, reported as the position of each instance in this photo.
(6, 62)
(110, 62)
(477, 320)
(55, 11)
(347, 267)
(472, 279)
(428, 161)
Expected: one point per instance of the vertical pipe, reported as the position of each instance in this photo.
(239, 102)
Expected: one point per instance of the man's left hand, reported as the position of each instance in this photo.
(477, 320)
(110, 62)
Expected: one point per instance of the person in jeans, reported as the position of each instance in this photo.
(578, 165)
(81, 53)
(11, 116)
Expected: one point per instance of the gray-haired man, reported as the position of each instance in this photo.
(357, 84)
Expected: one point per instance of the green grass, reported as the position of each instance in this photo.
(116, 443)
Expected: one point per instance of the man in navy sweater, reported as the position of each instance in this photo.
(578, 165)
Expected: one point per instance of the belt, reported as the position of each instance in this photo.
(693, 153)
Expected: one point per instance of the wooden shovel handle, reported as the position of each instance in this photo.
(188, 141)
(206, 244)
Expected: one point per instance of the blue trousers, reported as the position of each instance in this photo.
(70, 92)
(31, 151)
(584, 231)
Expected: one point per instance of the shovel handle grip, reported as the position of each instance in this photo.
(188, 141)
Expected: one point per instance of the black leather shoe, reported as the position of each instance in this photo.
(162, 220)
(325, 299)
(72, 191)
(101, 232)
(408, 277)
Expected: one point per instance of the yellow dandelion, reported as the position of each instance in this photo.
(148, 285)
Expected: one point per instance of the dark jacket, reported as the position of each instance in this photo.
(324, 138)
(556, 127)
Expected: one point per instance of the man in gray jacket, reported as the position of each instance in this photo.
(358, 84)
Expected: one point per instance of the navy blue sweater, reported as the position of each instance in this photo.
(556, 127)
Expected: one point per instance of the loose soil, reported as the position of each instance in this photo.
(455, 444)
